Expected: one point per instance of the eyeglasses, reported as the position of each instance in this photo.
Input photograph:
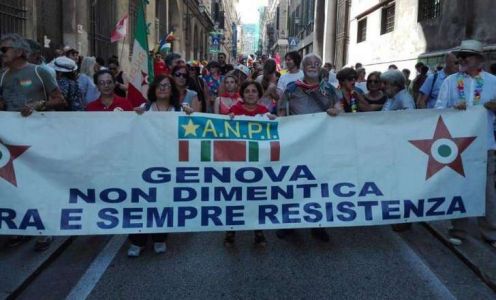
(183, 75)
(5, 49)
(164, 86)
(373, 81)
(105, 82)
(313, 64)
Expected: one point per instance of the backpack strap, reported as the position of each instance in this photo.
(3, 76)
(42, 83)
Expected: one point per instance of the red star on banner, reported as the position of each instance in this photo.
(145, 78)
(8, 153)
(443, 150)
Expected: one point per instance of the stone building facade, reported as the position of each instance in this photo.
(407, 31)
(87, 25)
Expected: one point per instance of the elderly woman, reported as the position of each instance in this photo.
(393, 83)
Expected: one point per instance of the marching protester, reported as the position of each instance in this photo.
(85, 79)
(474, 87)
(172, 60)
(163, 96)
(212, 81)
(250, 91)
(26, 87)
(269, 80)
(196, 83)
(293, 61)
(119, 76)
(66, 79)
(419, 79)
(187, 97)
(350, 96)
(375, 97)
(429, 91)
(393, 83)
(223, 66)
(308, 96)
(108, 100)
(229, 97)
(361, 82)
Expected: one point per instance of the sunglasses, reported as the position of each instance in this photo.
(5, 49)
(183, 75)
(464, 55)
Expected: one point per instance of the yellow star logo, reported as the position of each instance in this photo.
(190, 128)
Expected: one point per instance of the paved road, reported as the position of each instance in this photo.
(358, 263)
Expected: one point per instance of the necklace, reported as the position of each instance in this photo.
(460, 85)
(157, 107)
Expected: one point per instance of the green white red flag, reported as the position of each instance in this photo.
(141, 74)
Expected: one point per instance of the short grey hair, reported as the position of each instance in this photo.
(394, 77)
(87, 66)
(308, 56)
(18, 42)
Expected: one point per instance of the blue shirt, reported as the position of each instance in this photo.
(402, 100)
(428, 88)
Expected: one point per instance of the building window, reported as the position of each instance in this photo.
(387, 24)
(362, 30)
(429, 9)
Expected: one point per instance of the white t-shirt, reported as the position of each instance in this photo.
(287, 78)
(449, 96)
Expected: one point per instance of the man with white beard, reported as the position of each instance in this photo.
(307, 96)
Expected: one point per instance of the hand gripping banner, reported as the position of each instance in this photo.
(117, 173)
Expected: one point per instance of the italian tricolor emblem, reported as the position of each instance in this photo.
(203, 139)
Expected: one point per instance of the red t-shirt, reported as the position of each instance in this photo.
(239, 110)
(118, 104)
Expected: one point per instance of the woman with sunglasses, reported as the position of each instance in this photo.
(351, 97)
(187, 97)
(375, 96)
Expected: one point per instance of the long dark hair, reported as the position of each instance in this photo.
(270, 67)
(174, 99)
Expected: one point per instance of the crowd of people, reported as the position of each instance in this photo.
(307, 85)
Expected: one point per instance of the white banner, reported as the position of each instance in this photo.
(113, 173)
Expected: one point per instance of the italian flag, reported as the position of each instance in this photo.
(141, 73)
(228, 150)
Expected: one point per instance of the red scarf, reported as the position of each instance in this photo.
(306, 86)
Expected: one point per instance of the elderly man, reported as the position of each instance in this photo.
(474, 87)
(26, 87)
(393, 83)
(430, 89)
(308, 96)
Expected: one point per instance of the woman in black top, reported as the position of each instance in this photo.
(120, 85)
(375, 97)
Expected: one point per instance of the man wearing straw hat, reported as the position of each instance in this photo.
(472, 86)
